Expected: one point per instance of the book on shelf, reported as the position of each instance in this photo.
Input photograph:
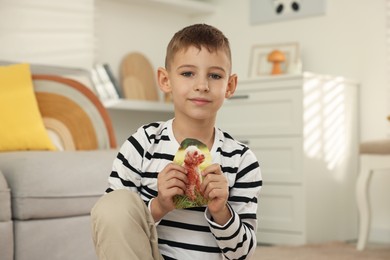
(113, 79)
(104, 85)
(98, 85)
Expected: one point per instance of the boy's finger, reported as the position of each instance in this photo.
(214, 169)
(173, 166)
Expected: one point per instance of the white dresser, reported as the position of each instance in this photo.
(304, 132)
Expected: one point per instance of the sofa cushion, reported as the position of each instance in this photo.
(6, 240)
(54, 239)
(22, 127)
(47, 184)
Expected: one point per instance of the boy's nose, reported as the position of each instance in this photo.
(202, 86)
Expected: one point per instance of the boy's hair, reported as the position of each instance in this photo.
(197, 35)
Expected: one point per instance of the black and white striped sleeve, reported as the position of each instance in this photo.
(237, 238)
(126, 169)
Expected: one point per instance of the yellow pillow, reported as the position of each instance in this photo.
(21, 124)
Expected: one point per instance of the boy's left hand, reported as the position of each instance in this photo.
(215, 187)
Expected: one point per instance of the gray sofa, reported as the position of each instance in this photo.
(46, 196)
(45, 201)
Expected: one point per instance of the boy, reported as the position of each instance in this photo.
(137, 218)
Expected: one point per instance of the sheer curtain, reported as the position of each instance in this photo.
(50, 32)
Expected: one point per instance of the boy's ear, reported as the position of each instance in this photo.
(163, 80)
(232, 85)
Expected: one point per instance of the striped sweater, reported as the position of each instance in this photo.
(191, 233)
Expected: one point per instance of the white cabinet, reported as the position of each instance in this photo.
(304, 132)
(279, 111)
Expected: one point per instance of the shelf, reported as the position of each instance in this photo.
(138, 105)
(189, 7)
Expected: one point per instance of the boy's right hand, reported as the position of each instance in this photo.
(171, 181)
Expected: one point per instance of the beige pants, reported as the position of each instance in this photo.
(123, 228)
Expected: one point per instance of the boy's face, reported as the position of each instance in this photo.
(199, 82)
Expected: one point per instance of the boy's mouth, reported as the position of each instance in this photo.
(200, 101)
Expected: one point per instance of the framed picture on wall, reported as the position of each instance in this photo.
(260, 66)
(269, 11)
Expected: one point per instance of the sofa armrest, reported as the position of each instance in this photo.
(5, 200)
(6, 227)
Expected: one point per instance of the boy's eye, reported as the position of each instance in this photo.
(215, 76)
(187, 74)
